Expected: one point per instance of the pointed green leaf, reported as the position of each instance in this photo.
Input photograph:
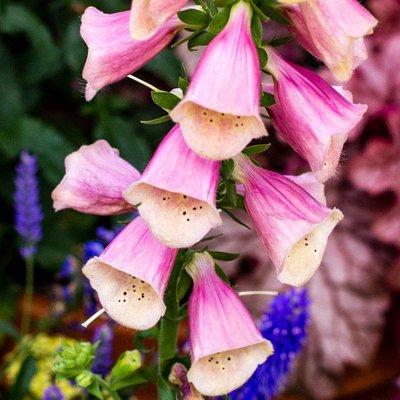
(193, 17)
(267, 99)
(219, 21)
(222, 256)
(165, 100)
(256, 149)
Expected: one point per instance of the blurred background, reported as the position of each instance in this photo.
(352, 347)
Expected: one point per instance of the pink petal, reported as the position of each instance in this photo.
(131, 276)
(219, 114)
(292, 225)
(113, 54)
(177, 193)
(333, 32)
(94, 181)
(310, 115)
(148, 15)
(225, 343)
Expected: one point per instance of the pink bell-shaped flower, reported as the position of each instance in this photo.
(310, 115)
(333, 31)
(176, 195)
(226, 345)
(147, 16)
(131, 276)
(293, 226)
(94, 181)
(113, 54)
(219, 114)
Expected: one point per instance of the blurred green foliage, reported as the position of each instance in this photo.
(42, 110)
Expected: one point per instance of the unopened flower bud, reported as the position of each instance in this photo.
(84, 379)
(127, 364)
(72, 359)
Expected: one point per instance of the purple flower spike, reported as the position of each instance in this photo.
(102, 363)
(285, 326)
(28, 213)
(53, 392)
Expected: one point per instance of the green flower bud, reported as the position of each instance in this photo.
(126, 365)
(85, 379)
(72, 359)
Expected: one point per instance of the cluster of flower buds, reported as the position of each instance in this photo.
(176, 196)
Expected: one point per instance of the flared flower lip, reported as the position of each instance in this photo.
(269, 350)
(336, 215)
(98, 259)
(135, 185)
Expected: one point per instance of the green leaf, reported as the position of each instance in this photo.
(219, 21)
(231, 192)
(94, 390)
(165, 391)
(156, 121)
(184, 284)
(194, 17)
(221, 273)
(267, 99)
(257, 30)
(222, 256)
(227, 167)
(203, 38)
(262, 56)
(280, 41)
(23, 380)
(256, 149)
(165, 100)
(131, 381)
(271, 10)
(183, 84)
(236, 219)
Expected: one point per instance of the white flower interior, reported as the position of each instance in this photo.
(175, 219)
(306, 255)
(128, 300)
(220, 373)
(216, 135)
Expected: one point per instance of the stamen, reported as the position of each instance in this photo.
(259, 292)
(93, 318)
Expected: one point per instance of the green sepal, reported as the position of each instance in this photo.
(193, 17)
(271, 9)
(221, 273)
(223, 256)
(165, 100)
(203, 38)
(94, 390)
(257, 30)
(267, 99)
(183, 84)
(256, 149)
(262, 56)
(280, 41)
(219, 21)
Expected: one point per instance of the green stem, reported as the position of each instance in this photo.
(28, 294)
(168, 336)
(114, 395)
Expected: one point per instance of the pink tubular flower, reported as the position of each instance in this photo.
(333, 31)
(177, 193)
(225, 344)
(292, 225)
(113, 54)
(94, 181)
(131, 276)
(310, 115)
(219, 114)
(148, 15)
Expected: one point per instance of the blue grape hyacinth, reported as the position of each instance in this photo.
(102, 363)
(28, 213)
(285, 325)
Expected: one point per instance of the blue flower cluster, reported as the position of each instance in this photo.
(28, 213)
(285, 325)
(53, 392)
(102, 363)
